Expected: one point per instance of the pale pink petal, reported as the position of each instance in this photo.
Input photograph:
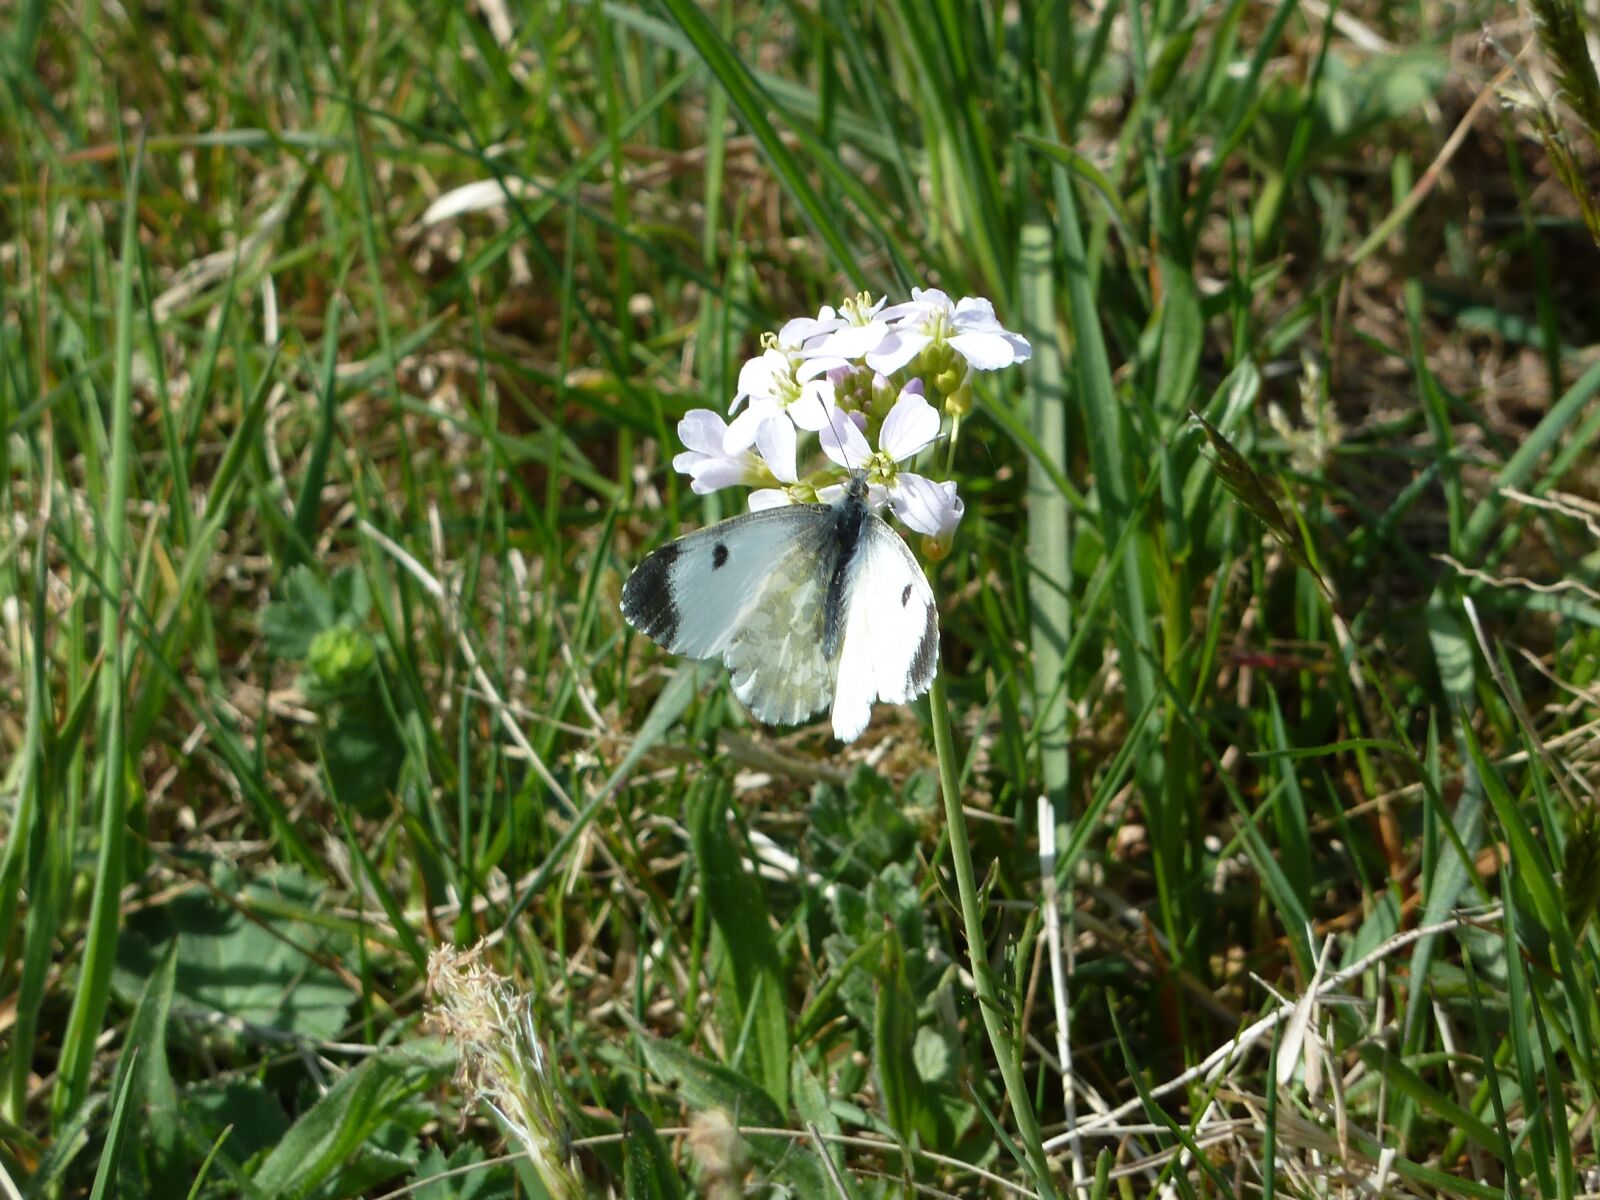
(775, 440)
(899, 348)
(911, 424)
(702, 430)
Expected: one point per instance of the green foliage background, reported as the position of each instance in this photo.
(319, 500)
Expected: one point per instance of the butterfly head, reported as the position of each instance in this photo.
(856, 486)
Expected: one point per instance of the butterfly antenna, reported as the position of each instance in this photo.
(829, 413)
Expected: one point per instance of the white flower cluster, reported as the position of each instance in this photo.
(856, 377)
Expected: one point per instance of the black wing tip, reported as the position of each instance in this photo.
(925, 663)
(647, 600)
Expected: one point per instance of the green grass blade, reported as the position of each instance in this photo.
(93, 993)
(111, 1154)
(742, 89)
(1049, 534)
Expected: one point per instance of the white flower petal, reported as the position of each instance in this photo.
(712, 474)
(817, 407)
(991, 351)
(911, 424)
(803, 329)
(853, 341)
(756, 377)
(976, 314)
(845, 444)
(877, 494)
(775, 441)
(811, 367)
(764, 498)
(928, 507)
(702, 430)
(897, 349)
(741, 435)
(924, 303)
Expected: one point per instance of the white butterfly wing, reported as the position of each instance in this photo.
(753, 590)
(890, 649)
(749, 590)
(777, 661)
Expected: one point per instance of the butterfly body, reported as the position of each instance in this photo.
(806, 604)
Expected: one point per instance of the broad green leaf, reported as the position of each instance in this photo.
(458, 1177)
(754, 988)
(648, 1173)
(160, 1159)
(364, 753)
(910, 1104)
(251, 968)
(340, 1124)
(244, 1109)
(1452, 647)
(707, 1085)
(813, 1105)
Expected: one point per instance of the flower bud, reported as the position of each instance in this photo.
(935, 359)
(884, 394)
(340, 657)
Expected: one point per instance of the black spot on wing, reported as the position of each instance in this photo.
(719, 555)
(905, 596)
(925, 662)
(647, 601)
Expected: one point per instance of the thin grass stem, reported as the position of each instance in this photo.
(988, 1001)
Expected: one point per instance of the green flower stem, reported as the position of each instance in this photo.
(988, 1001)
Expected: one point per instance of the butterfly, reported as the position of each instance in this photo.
(805, 604)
